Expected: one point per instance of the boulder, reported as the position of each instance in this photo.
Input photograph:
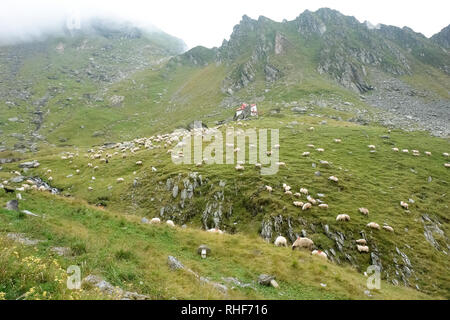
(29, 164)
(265, 279)
(12, 205)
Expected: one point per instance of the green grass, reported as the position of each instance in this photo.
(116, 245)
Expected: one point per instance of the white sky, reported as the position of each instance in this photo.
(208, 22)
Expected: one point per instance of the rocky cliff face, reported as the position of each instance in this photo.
(443, 37)
(335, 45)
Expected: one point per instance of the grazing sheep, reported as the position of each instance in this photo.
(304, 191)
(303, 243)
(298, 204)
(281, 164)
(445, 154)
(155, 221)
(215, 230)
(306, 154)
(320, 150)
(395, 149)
(269, 188)
(120, 180)
(77, 171)
(320, 254)
(428, 153)
(269, 153)
(41, 188)
(311, 129)
(289, 193)
(323, 206)
(374, 225)
(281, 241)
(337, 140)
(404, 205)
(90, 188)
(311, 200)
(447, 165)
(297, 194)
(343, 217)
(388, 228)
(324, 163)
(363, 248)
(306, 206)
(372, 147)
(277, 146)
(239, 168)
(90, 165)
(361, 242)
(50, 179)
(405, 151)
(333, 178)
(258, 165)
(170, 223)
(286, 187)
(364, 211)
(139, 163)
(310, 146)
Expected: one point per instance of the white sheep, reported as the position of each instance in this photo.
(320, 254)
(361, 242)
(363, 248)
(343, 217)
(311, 200)
(373, 225)
(155, 221)
(428, 153)
(239, 168)
(306, 154)
(303, 243)
(298, 204)
(371, 146)
(445, 154)
(447, 165)
(364, 211)
(288, 193)
(404, 205)
(333, 178)
(297, 195)
(310, 146)
(281, 164)
(281, 241)
(119, 180)
(258, 165)
(311, 129)
(286, 187)
(90, 165)
(269, 188)
(388, 228)
(405, 151)
(306, 206)
(320, 150)
(170, 223)
(337, 140)
(215, 230)
(304, 191)
(395, 149)
(323, 206)
(139, 163)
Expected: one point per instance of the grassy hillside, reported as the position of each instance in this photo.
(377, 181)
